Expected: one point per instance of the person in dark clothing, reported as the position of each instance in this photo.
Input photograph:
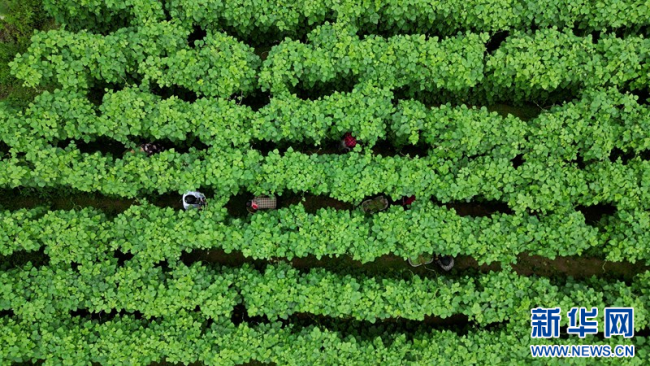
(151, 148)
(374, 205)
(445, 262)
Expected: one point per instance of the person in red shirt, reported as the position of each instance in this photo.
(348, 142)
(407, 201)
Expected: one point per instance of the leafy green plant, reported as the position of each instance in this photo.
(19, 20)
(600, 121)
(268, 19)
(335, 51)
(100, 15)
(130, 113)
(152, 234)
(50, 292)
(157, 53)
(184, 338)
(535, 65)
(544, 185)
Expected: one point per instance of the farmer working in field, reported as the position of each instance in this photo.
(348, 142)
(261, 203)
(150, 149)
(193, 199)
(445, 262)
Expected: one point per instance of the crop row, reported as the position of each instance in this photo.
(222, 123)
(156, 54)
(255, 19)
(279, 291)
(526, 66)
(590, 127)
(124, 340)
(154, 234)
(77, 236)
(536, 184)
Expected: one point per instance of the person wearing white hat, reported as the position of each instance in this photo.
(193, 199)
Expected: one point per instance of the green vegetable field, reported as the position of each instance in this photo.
(323, 182)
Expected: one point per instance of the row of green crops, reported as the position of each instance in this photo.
(279, 291)
(156, 53)
(590, 127)
(153, 234)
(125, 340)
(217, 122)
(538, 184)
(121, 290)
(526, 66)
(263, 18)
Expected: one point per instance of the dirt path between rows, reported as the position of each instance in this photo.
(576, 267)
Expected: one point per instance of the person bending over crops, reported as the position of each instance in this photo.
(348, 142)
(445, 262)
(407, 201)
(194, 199)
(374, 205)
(150, 149)
(261, 203)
